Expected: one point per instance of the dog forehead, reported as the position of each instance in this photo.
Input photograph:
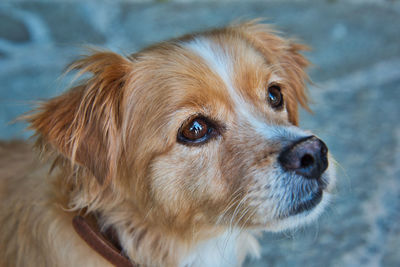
(223, 60)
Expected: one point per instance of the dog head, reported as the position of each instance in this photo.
(197, 132)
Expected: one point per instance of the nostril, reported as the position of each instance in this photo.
(306, 161)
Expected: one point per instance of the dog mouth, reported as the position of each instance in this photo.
(307, 203)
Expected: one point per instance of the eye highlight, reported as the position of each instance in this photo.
(196, 131)
(274, 96)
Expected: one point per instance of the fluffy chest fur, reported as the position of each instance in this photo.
(227, 249)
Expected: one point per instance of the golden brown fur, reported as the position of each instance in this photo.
(110, 147)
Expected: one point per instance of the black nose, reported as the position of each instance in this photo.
(306, 157)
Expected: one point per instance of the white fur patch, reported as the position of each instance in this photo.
(218, 61)
(226, 250)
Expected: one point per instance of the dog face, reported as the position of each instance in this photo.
(235, 154)
(198, 132)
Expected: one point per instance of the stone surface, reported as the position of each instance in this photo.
(12, 29)
(356, 96)
(68, 23)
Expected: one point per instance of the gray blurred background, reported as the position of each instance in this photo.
(356, 93)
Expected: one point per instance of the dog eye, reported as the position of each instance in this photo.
(275, 98)
(196, 131)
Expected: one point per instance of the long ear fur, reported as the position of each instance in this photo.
(285, 53)
(83, 124)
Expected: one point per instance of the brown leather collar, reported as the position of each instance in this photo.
(106, 247)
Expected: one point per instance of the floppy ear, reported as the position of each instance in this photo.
(83, 124)
(285, 56)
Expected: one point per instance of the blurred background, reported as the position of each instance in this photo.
(356, 95)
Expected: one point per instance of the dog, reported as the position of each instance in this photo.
(178, 155)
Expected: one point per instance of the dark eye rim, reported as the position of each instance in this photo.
(278, 106)
(213, 130)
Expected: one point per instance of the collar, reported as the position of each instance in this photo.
(107, 245)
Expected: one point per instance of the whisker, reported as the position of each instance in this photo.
(231, 203)
(242, 201)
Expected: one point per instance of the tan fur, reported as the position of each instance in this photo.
(110, 148)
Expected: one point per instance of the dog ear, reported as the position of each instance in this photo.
(285, 56)
(83, 124)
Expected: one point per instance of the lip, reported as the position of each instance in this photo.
(308, 203)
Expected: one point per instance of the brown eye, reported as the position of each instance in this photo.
(275, 98)
(196, 131)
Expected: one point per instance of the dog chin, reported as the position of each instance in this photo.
(300, 219)
(306, 216)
